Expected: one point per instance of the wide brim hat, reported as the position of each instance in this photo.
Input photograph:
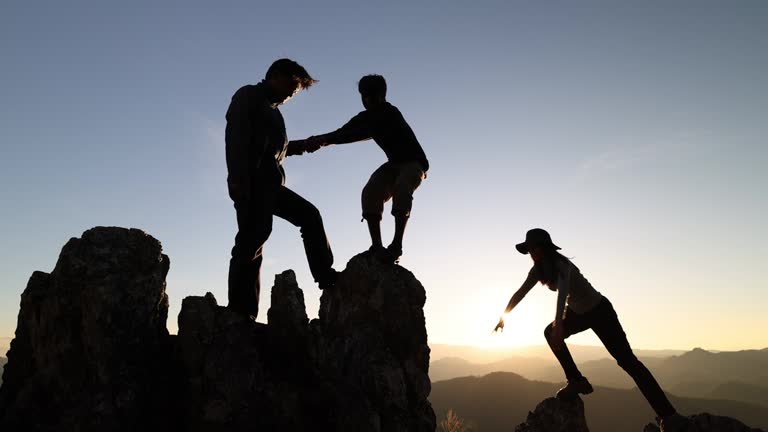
(535, 237)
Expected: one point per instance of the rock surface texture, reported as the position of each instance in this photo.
(92, 351)
(709, 423)
(91, 343)
(555, 415)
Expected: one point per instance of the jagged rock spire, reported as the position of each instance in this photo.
(92, 351)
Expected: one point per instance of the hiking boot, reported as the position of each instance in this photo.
(574, 388)
(674, 423)
(329, 281)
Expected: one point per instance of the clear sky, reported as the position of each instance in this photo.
(635, 132)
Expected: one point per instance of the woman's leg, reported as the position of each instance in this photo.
(608, 329)
(572, 324)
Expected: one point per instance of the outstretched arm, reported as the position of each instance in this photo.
(358, 128)
(518, 296)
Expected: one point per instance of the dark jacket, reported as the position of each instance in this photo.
(386, 125)
(256, 140)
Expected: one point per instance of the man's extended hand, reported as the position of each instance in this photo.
(314, 143)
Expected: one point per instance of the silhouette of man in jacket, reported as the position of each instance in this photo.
(256, 145)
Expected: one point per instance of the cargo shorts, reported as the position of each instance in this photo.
(393, 180)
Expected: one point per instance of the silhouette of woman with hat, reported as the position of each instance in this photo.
(581, 307)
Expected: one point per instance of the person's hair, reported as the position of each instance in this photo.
(289, 68)
(546, 267)
(372, 85)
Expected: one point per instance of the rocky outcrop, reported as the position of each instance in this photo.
(92, 352)
(556, 415)
(241, 375)
(361, 367)
(91, 338)
(710, 423)
(371, 334)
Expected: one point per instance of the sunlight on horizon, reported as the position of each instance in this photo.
(517, 327)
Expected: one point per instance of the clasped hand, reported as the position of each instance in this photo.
(312, 144)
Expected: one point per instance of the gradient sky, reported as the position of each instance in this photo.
(633, 131)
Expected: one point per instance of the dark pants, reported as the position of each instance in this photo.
(254, 223)
(604, 322)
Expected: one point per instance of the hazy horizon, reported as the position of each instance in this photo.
(496, 401)
(490, 354)
(635, 133)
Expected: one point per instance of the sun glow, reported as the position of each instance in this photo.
(516, 331)
(475, 315)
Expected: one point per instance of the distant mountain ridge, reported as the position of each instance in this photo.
(747, 366)
(497, 402)
(582, 353)
(737, 375)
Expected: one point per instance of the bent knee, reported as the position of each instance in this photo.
(548, 331)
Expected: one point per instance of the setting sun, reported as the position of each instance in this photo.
(518, 328)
